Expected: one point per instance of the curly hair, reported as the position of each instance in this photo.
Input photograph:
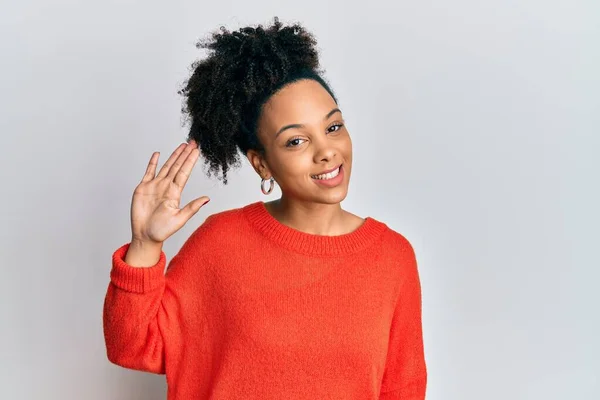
(224, 95)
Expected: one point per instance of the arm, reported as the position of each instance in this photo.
(142, 307)
(405, 375)
(133, 315)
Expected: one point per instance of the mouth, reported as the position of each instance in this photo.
(329, 175)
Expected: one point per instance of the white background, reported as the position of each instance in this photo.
(475, 129)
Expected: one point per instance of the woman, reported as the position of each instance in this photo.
(294, 298)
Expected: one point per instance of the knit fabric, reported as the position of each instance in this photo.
(250, 308)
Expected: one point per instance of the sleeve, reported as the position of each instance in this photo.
(405, 374)
(141, 314)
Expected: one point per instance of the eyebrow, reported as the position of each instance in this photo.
(329, 114)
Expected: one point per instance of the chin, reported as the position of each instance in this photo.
(334, 197)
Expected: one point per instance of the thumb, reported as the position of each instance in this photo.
(192, 207)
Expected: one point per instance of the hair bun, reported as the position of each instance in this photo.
(277, 49)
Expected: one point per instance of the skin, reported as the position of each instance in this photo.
(320, 145)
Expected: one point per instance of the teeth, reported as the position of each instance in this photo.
(330, 175)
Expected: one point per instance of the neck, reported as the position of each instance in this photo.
(350, 242)
(309, 217)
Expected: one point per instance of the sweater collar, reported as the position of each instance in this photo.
(260, 218)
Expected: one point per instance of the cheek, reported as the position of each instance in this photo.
(292, 168)
(348, 147)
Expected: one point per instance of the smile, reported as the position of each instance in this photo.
(327, 176)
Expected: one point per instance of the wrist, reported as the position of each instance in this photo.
(143, 253)
(145, 244)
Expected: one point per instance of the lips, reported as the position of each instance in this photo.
(328, 171)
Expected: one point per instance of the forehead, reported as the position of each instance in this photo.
(303, 101)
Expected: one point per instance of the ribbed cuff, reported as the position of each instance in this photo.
(136, 279)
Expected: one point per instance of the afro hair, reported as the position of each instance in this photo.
(225, 93)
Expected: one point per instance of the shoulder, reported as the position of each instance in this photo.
(398, 252)
(225, 222)
(221, 219)
(219, 231)
(398, 242)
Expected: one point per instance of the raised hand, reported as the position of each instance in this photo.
(155, 212)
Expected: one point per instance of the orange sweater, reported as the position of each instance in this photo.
(250, 308)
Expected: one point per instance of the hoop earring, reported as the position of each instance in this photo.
(262, 188)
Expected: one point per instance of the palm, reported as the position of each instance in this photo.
(155, 212)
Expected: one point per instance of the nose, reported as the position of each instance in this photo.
(325, 150)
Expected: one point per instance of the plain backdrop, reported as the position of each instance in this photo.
(475, 129)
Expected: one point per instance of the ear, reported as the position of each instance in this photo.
(258, 163)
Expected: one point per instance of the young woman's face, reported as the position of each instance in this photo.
(304, 134)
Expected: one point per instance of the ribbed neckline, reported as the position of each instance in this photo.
(307, 243)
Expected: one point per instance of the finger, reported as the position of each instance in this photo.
(151, 168)
(179, 162)
(186, 169)
(165, 168)
(192, 208)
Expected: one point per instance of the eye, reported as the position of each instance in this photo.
(288, 144)
(333, 126)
